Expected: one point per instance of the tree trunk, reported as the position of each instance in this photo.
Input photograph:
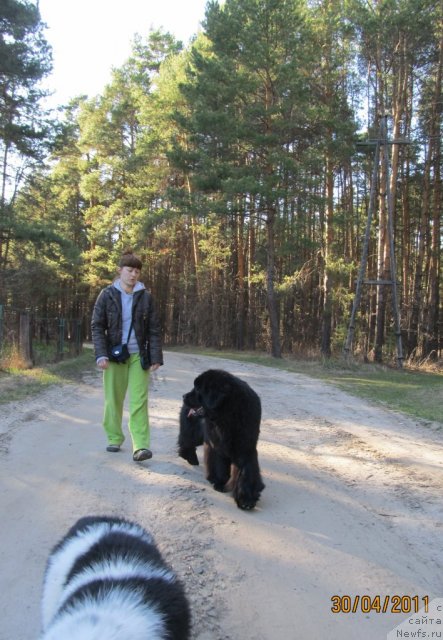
(241, 302)
(25, 340)
(252, 295)
(430, 342)
(328, 280)
(270, 285)
(417, 293)
(383, 266)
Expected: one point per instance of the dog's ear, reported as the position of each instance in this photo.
(213, 400)
(214, 397)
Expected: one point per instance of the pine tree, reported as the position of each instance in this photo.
(24, 60)
(251, 116)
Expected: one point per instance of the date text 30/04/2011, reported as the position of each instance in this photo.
(379, 604)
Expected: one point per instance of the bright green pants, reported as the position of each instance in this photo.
(117, 380)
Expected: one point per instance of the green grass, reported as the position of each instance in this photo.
(416, 393)
(18, 384)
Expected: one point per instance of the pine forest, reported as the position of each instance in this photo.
(286, 159)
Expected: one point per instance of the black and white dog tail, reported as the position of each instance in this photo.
(106, 580)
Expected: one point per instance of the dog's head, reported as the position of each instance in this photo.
(211, 389)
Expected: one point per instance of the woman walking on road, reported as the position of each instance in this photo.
(127, 343)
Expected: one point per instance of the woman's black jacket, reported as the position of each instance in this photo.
(106, 324)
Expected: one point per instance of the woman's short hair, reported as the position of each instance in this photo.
(129, 259)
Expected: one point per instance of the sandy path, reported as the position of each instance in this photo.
(352, 505)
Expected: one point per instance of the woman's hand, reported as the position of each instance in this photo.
(103, 363)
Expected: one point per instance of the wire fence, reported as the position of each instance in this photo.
(31, 339)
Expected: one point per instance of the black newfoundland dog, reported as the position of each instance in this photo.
(223, 413)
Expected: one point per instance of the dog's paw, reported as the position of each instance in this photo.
(217, 483)
(247, 506)
(248, 499)
(189, 455)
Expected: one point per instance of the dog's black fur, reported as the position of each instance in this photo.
(106, 580)
(223, 412)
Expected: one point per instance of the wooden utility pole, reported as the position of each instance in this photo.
(25, 341)
(381, 140)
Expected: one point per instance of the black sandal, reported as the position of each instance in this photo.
(141, 454)
(113, 448)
